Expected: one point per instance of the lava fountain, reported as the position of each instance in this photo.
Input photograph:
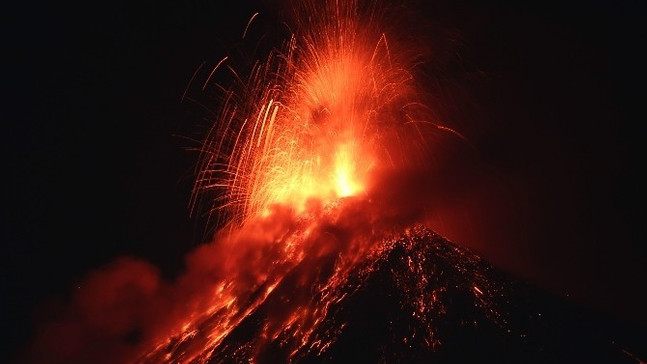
(335, 104)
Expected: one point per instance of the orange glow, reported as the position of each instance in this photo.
(313, 122)
(345, 172)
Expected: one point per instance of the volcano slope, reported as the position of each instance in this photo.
(415, 298)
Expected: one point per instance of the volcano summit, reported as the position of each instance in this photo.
(417, 298)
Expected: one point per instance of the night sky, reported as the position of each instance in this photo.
(97, 161)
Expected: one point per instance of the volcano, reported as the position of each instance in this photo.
(321, 160)
(417, 297)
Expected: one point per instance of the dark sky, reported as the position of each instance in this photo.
(547, 92)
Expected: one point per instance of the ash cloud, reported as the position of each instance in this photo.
(119, 311)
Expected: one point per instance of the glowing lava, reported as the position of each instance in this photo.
(315, 119)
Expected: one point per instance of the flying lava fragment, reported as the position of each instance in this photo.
(337, 103)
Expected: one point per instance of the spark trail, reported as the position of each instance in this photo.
(314, 121)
